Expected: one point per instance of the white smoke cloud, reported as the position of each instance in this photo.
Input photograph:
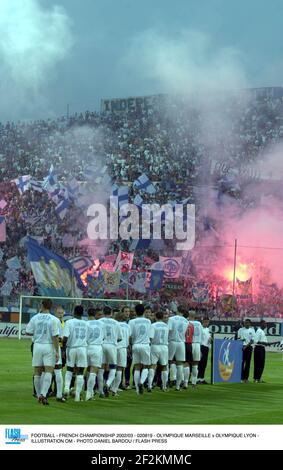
(185, 63)
(33, 41)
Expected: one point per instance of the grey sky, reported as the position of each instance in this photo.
(105, 29)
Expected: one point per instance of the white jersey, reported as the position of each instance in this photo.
(177, 328)
(43, 326)
(60, 329)
(125, 330)
(95, 332)
(76, 332)
(205, 336)
(247, 335)
(113, 332)
(197, 334)
(260, 336)
(161, 333)
(141, 330)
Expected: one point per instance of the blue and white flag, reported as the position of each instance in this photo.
(22, 183)
(36, 186)
(156, 280)
(62, 208)
(54, 275)
(138, 200)
(54, 194)
(122, 193)
(143, 183)
(50, 182)
(2, 229)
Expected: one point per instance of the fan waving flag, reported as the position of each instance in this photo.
(143, 183)
(2, 229)
(54, 275)
(22, 183)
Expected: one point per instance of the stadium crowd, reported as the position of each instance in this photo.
(167, 144)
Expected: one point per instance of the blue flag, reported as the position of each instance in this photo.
(54, 275)
(227, 360)
(156, 280)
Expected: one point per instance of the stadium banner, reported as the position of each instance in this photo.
(227, 361)
(132, 104)
(273, 328)
(11, 330)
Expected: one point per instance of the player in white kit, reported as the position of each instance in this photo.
(75, 339)
(141, 333)
(122, 347)
(196, 342)
(177, 331)
(113, 334)
(159, 351)
(95, 338)
(44, 329)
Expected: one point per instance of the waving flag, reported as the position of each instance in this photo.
(156, 280)
(36, 186)
(62, 208)
(50, 183)
(53, 274)
(2, 229)
(137, 280)
(22, 183)
(143, 183)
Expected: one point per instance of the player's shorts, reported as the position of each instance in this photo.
(141, 354)
(189, 352)
(122, 357)
(94, 355)
(177, 351)
(196, 352)
(43, 355)
(109, 354)
(159, 354)
(76, 357)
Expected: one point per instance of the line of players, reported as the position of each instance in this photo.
(101, 344)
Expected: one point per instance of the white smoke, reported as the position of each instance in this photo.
(33, 41)
(186, 63)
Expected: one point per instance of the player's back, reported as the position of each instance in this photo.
(112, 330)
(95, 332)
(43, 326)
(76, 332)
(197, 331)
(177, 328)
(141, 330)
(161, 333)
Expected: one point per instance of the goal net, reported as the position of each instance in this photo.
(30, 305)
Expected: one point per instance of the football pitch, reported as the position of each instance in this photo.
(209, 404)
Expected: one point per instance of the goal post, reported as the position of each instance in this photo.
(30, 305)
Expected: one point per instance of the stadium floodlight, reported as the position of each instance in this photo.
(31, 304)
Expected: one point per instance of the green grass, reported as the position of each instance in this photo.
(211, 404)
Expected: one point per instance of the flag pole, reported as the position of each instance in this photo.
(235, 264)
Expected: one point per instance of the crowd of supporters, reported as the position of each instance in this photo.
(175, 146)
